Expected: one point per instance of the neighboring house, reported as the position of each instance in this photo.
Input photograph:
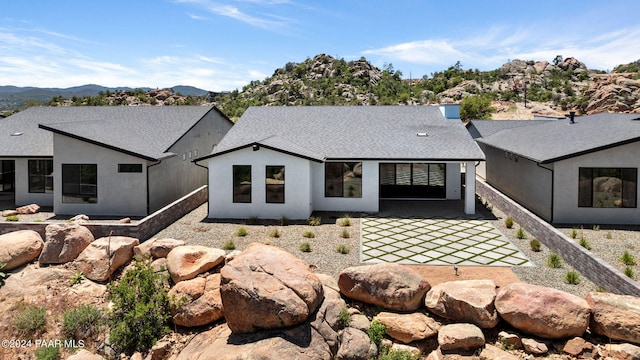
(291, 161)
(576, 172)
(106, 160)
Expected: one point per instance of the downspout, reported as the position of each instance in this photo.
(552, 188)
(207, 171)
(148, 190)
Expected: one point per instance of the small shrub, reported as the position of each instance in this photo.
(315, 221)
(229, 245)
(305, 247)
(554, 261)
(47, 353)
(345, 234)
(242, 232)
(535, 245)
(376, 332)
(12, 218)
(601, 289)
(82, 322)
(596, 227)
(76, 278)
(275, 233)
(508, 222)
(397, 354)
(342, 249)
(308, 234)
(344, 317)
(345, 220)
(284, 221)
(572, 278)
(585, 243)
(574, 233)
(628, 259)
(30, 320)
(629, 272)
(609, 236)
(521, 234)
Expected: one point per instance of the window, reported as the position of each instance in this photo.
(79, 183)
(40, 176)
(241, 183)
(413, 180)
(130, 168)
(607, 187)
(343, 179)
(275, 184)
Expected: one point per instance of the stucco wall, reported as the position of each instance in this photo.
(566, 179)
(521, 179)
(22, 194)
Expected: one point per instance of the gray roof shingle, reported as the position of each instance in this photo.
(353, 132)
(556, 140)
(484, 128)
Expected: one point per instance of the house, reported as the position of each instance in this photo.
(581, 170)
(291, 161)
(106, 160)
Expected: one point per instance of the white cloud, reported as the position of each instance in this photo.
(269, 22)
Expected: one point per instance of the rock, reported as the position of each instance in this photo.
(64, 242)
(103, 257)
(6, 213)
(360, 322)
(392, 286)
(327, 320)
(199, 301)
(157, 248)
(28, 209)
(464, 301)
(258, 292)
(231, 255)
(622, 351)
(89, 289)
(355, 345)
(30, 282)
(491, 352)
(510, 340)
(542, 311)
(79, 219)
(460, 337)
(136, 356)
(186, 262)
(83, 354)
(532, 346)
(615, 316)
(413, 349)
(19, 247)
(159, 265)
(125, 221)
(408, 327)
(328, 281)
(159, 350)
(576, 346)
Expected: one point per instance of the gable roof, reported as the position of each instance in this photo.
(147, 132)
(484, 128)
(552, 141)
(352, 132)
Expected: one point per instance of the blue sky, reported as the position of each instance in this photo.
(224, 44)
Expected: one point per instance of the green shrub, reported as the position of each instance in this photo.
(274, 233)
(344, 317)
(12, 218)
(572, 277)
(508, 222)
(554, 261)
(396, 354)
(629, 272)
(140, 308)
(609, 236)
(242, 231)
(284, 221)
(343, 249)
(30, 320)
(76, 278)
(82, 322)
(574, 233)
(229, 245)
(305, 247)
(345, 234)
(535, 245)
(345, 220)
(308, 234)
(521, 234)
(628, 259)
(47, 353)
(315, 221)
(585, 243)
(376, 332)
(596, 227)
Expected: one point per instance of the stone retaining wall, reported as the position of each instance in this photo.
(595, 269)
(141, 230)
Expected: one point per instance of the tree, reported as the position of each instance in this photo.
(476, 107)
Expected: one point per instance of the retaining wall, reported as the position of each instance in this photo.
(595, 269)
(141, 230)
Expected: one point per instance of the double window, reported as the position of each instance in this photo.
(79, 183)
(275, 184)
(608, 187)
(343, 179)
(40, 176)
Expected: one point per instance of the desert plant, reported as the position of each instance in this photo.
(30, 320)
(315, 221)
(3, 275)
(508, 222)
(629, 272)
(609, 236)
(76, 278)
(345, 220)
(12, 218)
(344, 317)
(229, 245)
(47, 353)
(242, 231)
(275, 233)
(305, 247)
(521, 234)
(574, 233)
(308, 234)
(396, 354)
(627, 258)
(554, 261)
(284, 221)
(82, 322)
(585, 243)
(345, 234)
(572, 277)
(342, 249)
(376, 332)
(596, 228)
(535, 245)
(140, 310)
(601, 289)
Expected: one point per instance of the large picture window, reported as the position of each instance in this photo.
(80, 183)
(343, 179)
(40, 176)
(241, 183)
(275, 184)
(413, 180)
(608, 187)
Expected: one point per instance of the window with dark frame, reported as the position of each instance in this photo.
(607, 187)
(275, 184)
(80, 183)
(241, 183)
(343, 179)
(129, 168)
(40, 176)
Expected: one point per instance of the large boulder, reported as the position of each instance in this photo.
(157, 248)
(542, 311)
(464, 301)
(198, 301)
(392, 286)
(408, 327)
(32, 282)
(615, 316)
(460, 337)
(28, 209)
(103, 257)
(19, 247)
(64, 242)
(187, 262)
(355, 345)
(265, 287)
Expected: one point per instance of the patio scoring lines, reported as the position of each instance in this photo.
(437, 241)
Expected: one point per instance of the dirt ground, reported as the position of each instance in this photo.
(439, 274)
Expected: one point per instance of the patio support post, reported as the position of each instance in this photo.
(470, 188)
